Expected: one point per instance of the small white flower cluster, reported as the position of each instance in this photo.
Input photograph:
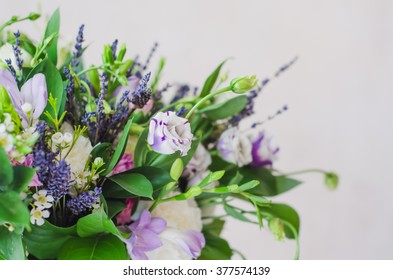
(42, 201)
(62, 140)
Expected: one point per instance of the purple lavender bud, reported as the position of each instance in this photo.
(84, 201)
(77, 53)
(142, 94)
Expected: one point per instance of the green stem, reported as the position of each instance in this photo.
(88, 70)
(312, 170)
(204, 99)
(12, 21)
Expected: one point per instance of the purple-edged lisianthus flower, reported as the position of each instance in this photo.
(145, 235)
(169, 133)
(235, 147)
(263, 152)
(31, 100)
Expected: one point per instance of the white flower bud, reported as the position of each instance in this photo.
(98, 161)
(57, 138)
(68, 138)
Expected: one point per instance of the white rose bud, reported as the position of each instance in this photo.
(57, 138)
(68, 138)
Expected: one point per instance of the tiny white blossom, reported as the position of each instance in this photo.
(42, 199)
(37, 216)
(68, 138)
(6, 141)
(57, 138)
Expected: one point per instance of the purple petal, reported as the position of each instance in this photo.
(191, 242)
(9, 83)
(157, 225)
(34, 92)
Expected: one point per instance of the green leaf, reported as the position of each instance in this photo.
(53, 26)
(54, 85)
(102, 247)
(211, 178)
(95, 223)
(102, 150)
(6, 173)
(270, 185)
(133, 183)
(13, 210)
(331, 180)
(248, 186)
(158, 177)
(22, 177)
(142, 148)
(119, 149)
(115, 207)
(215, 227)
(11, 245)
(225, 109)
(44, 242)
(216, 248)
(211, 80)
(235, 213)
(285, 213)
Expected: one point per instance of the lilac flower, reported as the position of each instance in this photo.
(84, 201)
(145, 236)
(263, 153)
(31, 100)
(235, 147)
(169, 133)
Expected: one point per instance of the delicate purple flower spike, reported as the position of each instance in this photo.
(145, 236)
(31, 100)
(263, 153)
(191, 241)
(169, 133)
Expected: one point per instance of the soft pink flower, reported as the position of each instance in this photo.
(35, 182)
(124, 217)
(125, 163)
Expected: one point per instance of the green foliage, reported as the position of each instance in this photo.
(11, 246)
(119, 149)
(44, 242)
(95, 223)
(101, 247)
(6, 174)
(22, 177)
(133, 183)
(216, 248)
(53, 27)
(211, 80)
(225, 109)
(13, 210)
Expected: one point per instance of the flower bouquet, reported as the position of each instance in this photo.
(103, 162)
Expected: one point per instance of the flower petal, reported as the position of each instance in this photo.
(9, 83)
(35, 92)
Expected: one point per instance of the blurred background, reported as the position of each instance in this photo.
(339, 94)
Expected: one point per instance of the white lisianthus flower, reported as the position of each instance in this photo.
(198, 164)
(182, 239)
(169, 133)
(80, 153)
(235, 147)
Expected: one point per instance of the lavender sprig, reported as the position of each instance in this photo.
(142, 94)
(77, 53)
(17, 51)
(114, 48)
(84, 201)
(12, 69)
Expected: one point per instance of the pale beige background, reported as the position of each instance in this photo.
(339, 94)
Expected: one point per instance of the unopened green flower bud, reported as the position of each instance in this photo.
(108, 55)
(125, 66)
(34, 16)
(243, 84)
(277, 228)
(177, 169)
(122, 52)
(331, 180)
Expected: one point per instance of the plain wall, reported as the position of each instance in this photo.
(339, 93)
